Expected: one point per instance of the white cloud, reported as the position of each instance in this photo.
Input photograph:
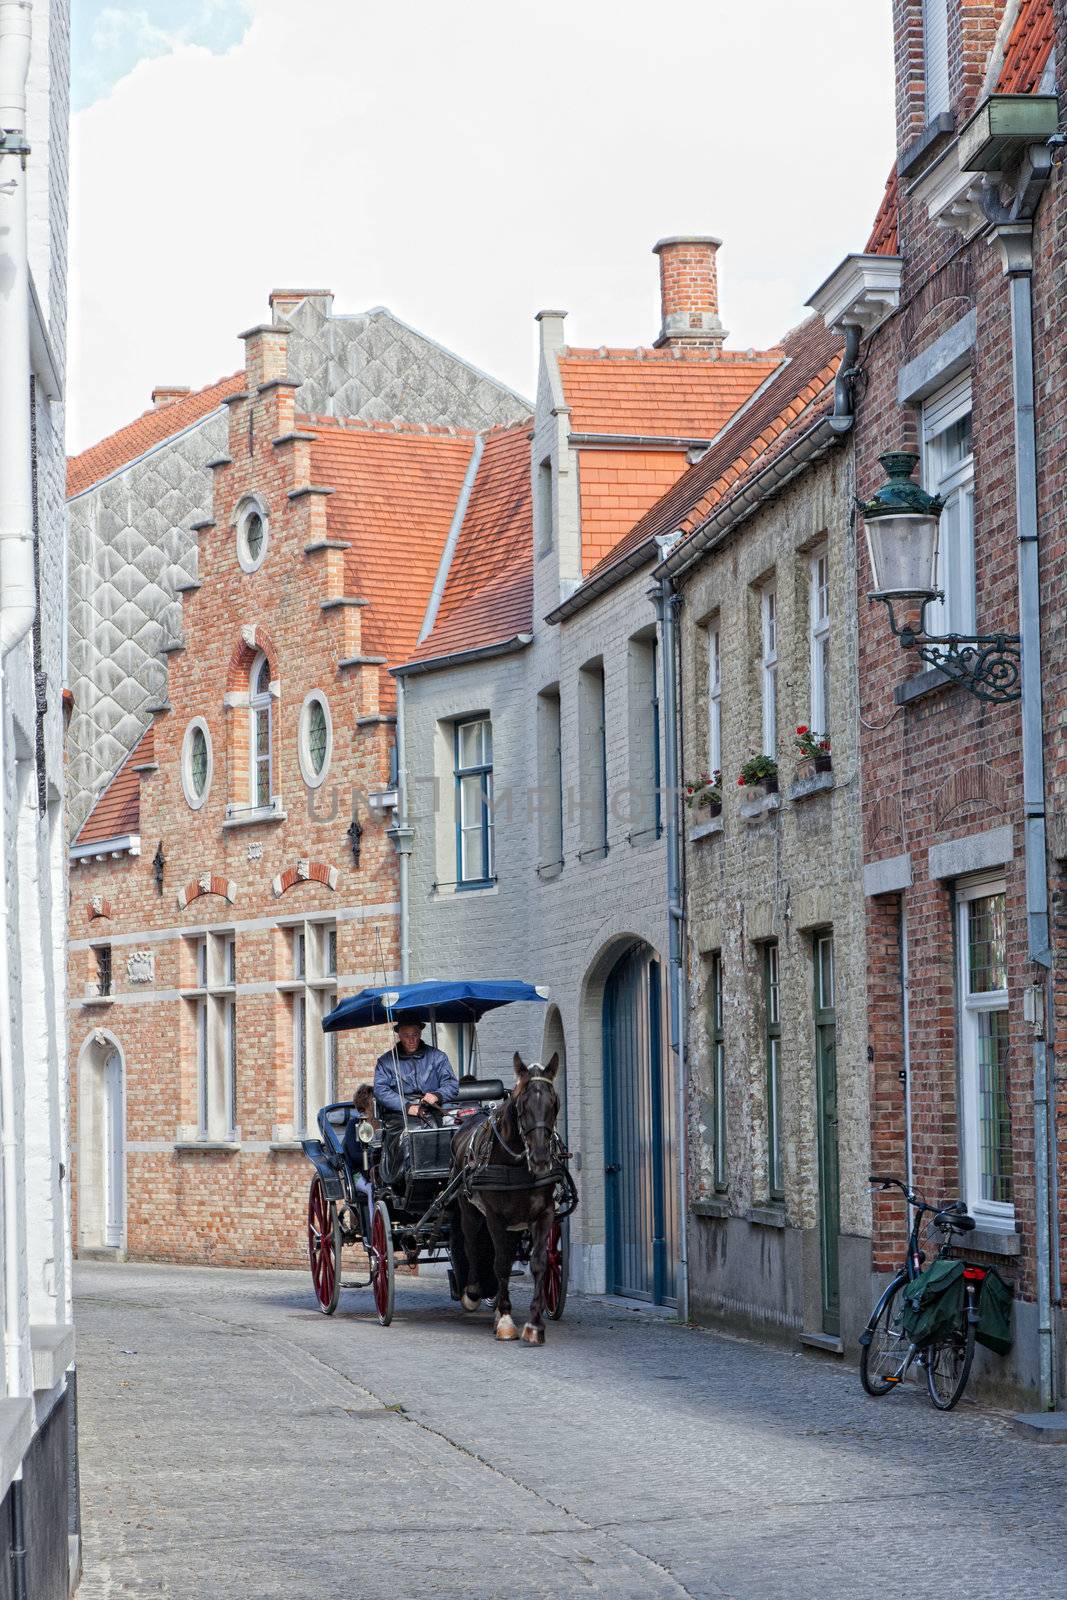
(466, 167)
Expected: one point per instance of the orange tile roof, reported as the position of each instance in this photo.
(883, 240)
(616, 488)
(395, 493)
(149, 429)
(117, 810)
(796, 397)
(662, 393)
(488, 596)
(1028, 48)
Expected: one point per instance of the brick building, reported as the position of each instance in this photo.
(955, 796)
(234, 874)
(539, 684)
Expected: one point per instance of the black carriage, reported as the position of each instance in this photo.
(393, 1192)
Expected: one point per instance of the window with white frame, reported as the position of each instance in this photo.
(312, 990)
(985, 1110)
(261, 733)
(935, 57)
(213, 1000)
(948, 470)
(769, 668)
(714, 698)
(473, 769)
(819, 716)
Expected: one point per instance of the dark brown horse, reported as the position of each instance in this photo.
(508, 1162)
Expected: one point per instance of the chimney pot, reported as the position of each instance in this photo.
(165, 394)
(689, 292)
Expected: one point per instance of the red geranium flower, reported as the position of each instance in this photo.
(803, 728)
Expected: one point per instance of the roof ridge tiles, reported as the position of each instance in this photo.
(362, 425)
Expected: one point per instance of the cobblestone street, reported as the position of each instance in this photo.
(237, 1443)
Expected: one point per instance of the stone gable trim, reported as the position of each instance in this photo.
(304, 872)
(207, 883)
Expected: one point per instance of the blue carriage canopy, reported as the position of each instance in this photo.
(428, 1002)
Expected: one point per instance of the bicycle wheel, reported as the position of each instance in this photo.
(883, 1357)
(948, 1366)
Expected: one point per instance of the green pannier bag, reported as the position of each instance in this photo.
(933, 1303)
(994, 1314)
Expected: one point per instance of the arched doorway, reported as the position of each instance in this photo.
(114, 1142)
(554, 1043)
(639, 1132)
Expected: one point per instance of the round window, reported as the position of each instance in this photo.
(316, 738)
(196, 763)
(251, 536)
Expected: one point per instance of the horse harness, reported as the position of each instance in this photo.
(480, 1172)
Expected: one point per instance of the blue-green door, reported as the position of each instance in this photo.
(640, 1157)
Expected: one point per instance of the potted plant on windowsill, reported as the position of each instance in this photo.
(759, 772)
(705, 793)
(814, 747)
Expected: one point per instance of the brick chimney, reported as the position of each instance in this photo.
(166, 394)
(689, 293)
(283, 302)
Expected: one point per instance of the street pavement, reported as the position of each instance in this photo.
(235, 1442)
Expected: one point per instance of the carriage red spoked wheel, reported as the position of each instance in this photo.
(324, 1247)
(556, 1273)
(383, 1270)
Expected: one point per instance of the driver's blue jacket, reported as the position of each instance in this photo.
(428, 1071)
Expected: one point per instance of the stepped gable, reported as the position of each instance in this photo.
(150, 429)
(795, 399)
(488, 593)
(394, 497)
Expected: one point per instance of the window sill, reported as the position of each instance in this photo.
(52, 1351)
(97, 1000)
(706, 830)
(464, 891)
(183, 1145)
(923, 684)
(278, 1146)
(753, 810)
(772, 1216)
(992, 1241)
(711, 1207)
(249, 816)
(805, 788)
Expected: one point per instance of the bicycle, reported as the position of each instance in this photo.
(887, 1353)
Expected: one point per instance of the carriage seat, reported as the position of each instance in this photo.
(480, 1089)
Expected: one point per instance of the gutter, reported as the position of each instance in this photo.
(460, 658)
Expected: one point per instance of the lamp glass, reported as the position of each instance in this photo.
(903, 552)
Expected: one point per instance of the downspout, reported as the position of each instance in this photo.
(17, 601)
(1015, 238)
(402, 833)
(667, 601)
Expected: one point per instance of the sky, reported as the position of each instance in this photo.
(465, 165)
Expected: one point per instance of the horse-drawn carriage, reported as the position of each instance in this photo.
(411, 1191)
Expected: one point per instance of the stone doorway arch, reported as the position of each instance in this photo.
(102, 1143)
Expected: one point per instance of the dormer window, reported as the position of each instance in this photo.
(261, 732)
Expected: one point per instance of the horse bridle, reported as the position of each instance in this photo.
(535, 1070)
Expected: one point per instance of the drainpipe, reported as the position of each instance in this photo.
(402, 833)
(1015, 238)
(17, 601)
(667, 601)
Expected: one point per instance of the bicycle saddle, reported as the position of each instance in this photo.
(949, 1217)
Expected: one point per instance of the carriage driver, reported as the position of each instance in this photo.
(425, 1074)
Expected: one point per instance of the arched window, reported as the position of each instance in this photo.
(260, 733)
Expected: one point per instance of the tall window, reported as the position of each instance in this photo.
(312, 989)
(988, 1162)
(213, 1000)
(773, 1028)
(948, 470)
(718, 1072)
(769, 668)
(714, 699)
(543, 507)
(592, 761)
(935, 57)
(550, 784)
(644, 738)
(820, 642)
(260, 732)
(474, 802)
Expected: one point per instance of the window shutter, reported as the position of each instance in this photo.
(935, 56)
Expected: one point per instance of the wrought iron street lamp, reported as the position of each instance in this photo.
(902, 523)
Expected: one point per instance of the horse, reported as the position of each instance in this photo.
(507, 1162)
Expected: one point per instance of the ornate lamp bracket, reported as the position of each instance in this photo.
(989, 666)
